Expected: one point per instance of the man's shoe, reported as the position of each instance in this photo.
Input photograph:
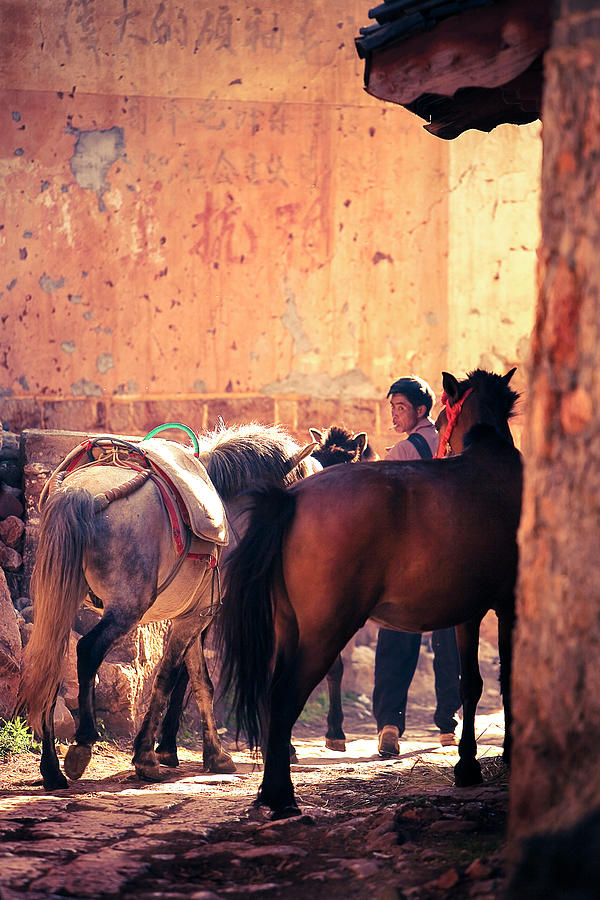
(388, 741)
(448, 740)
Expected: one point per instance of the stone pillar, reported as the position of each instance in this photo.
(555, 779)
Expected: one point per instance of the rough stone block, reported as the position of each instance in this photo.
(11, 530)
(9, 505)
(120, 416)
(286, 412)
(240, 409)
(317, 413)
(10, 651)
(72, 414)
(19, 413)
(148, 414)
(9, 558)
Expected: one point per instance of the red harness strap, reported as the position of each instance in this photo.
(452, 414)
(212, 560)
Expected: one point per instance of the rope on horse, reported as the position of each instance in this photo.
(101, 501)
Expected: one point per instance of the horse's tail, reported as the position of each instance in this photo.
(246, 625)
(58, 587)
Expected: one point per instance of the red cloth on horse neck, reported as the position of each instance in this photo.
(452, 414)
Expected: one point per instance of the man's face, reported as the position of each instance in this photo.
(404, 415)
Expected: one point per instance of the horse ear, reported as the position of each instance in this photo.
(506, 378)
(301, 454)
(361, 442)
(316, 435)
(450, 385)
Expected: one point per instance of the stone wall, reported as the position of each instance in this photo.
(554, 784)
(206, 215)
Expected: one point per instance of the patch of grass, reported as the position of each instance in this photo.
(315, 709)
(350, 696)
(15, 737)
(454, 851)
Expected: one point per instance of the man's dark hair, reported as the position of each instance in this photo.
(416, 391)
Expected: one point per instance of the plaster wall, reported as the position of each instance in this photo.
(205, 214)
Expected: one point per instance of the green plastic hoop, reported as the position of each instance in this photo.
(185, 428)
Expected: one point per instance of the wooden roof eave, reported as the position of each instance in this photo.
(495, 51)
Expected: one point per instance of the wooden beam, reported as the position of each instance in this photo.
(496, 47)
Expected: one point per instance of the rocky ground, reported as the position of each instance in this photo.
(369, 828)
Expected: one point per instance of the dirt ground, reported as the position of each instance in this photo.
(388, 829)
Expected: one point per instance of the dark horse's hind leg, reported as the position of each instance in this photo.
(291, 686)
(506, 621)
(166, 749)
(276, 790)
(53, 779)
(467, 771)
(91, 650)
(335, 738)
(214, 757)
(183, 632)
(183, 645)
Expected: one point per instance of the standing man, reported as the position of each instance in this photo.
(397, 652)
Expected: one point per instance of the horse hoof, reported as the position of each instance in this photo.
(467, 774)
(286, 812)
(57, 782)
(221, 765)
(76, 760)
(148, 773)
(168, 758)
(335, 744)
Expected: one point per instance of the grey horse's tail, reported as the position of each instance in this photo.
(58, 587)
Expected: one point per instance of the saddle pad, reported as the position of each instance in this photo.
(203, 504)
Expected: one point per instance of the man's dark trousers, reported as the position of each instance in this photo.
(396, 659)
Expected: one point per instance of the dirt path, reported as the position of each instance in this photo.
(370, 827)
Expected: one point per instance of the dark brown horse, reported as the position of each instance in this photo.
(337, 445)
(332, 446)
(433, 544)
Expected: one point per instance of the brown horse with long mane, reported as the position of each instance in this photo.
(433, 544)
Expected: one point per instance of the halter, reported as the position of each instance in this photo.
(452, 414)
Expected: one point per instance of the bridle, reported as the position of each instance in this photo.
(452, 414)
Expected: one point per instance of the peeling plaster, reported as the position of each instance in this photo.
(293, 322)
(84, 388)
(105, 362)
(48, 284)
(95, 152)
(129, 388)
(323, 386)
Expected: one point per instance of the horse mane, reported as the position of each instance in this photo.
(237, 455)
(493, 390)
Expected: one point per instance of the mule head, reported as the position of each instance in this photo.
(338, 445)
(482, 398)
